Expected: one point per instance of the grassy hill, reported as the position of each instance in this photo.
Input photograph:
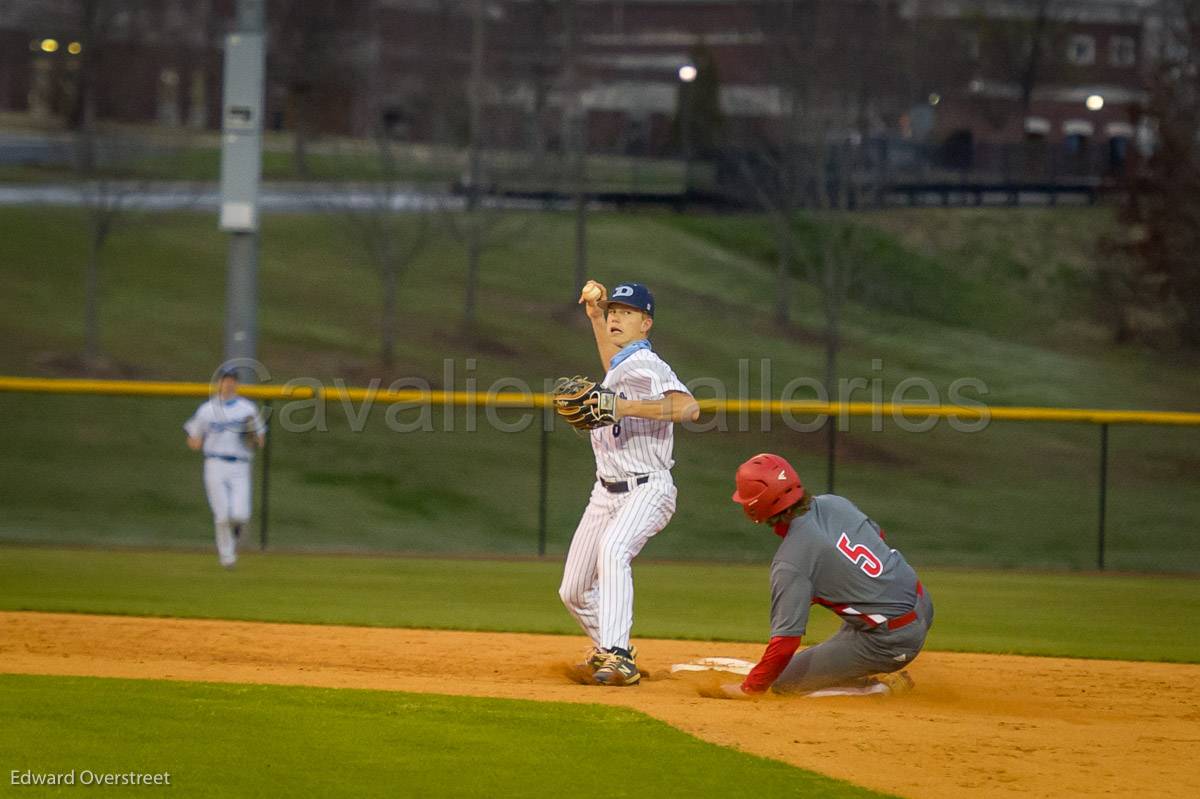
(115, 470)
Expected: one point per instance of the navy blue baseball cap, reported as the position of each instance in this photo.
(635, 295)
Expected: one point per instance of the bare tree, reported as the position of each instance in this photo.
(385, 216)
(105, 197)
(486, 220)
(393, 226)
(116, 183)
(310, 42)
(102, 196)
(1024, 47)
(574, 138)
(540, 65)
(1037, 60)
(553, 43)
(811, 158)
(475, 220)
(111, 164)
(1153, 290)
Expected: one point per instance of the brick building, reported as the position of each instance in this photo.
(953, 73)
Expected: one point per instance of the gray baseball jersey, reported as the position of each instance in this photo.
(835, 556)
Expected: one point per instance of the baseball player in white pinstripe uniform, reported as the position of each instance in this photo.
(223, 428)
(633, 496)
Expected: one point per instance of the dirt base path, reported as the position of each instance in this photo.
(977, 725)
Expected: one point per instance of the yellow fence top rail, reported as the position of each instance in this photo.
(529, 399)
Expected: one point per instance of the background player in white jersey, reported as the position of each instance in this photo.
(633, 496)
(225, 428)
(832, 555)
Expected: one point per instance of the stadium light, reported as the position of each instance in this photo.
(687, 73)
(1095, 102)
(49, 45)
(74, 48)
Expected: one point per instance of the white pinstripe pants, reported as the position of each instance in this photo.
(597, 584)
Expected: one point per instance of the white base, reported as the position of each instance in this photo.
(867, 690)
(730, 665)
(743, 667)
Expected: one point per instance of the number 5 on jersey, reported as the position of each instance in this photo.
(870, 564)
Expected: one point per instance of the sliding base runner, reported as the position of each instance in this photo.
(832, 555)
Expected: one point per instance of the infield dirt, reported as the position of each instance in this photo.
(976, 725)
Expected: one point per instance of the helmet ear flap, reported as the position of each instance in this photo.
(767, 485)
(749, 495)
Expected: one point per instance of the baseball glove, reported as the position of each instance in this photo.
(583, 403)
(250, 432)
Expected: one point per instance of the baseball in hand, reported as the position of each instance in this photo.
(591, 293)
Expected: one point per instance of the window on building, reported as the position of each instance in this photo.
(970, 40)
(636, 133)
(175, 16)
(168, 97)
(1122, 51)
(1026, 45)
(1081, 49)
(1118, 153)
(958, 150)
(1037, 129)
(1075, 145)
(121, 23)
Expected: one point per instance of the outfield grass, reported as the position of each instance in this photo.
(253, 740)
(1036, 614)
(112, 471)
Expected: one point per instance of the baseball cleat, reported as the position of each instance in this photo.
(617, 669)
(897, 682)
(596, 657)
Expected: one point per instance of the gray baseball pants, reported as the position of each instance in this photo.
(852, 654)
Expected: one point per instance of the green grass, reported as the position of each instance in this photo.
(1064, 615)
(884, 273)
(113, 470)
(339, 162)
(253, 740)
(1021, 274)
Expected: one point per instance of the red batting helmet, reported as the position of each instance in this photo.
(766, 485)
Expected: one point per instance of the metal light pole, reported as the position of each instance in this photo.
(241, 169)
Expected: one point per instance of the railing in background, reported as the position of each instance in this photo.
(530, 400)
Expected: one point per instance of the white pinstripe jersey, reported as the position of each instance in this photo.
(637, 446)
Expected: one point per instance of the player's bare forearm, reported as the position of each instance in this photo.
(675, 406)
(604, 344)
(591, 297)
(195, 443)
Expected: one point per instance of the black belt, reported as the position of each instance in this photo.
(621, 486)
(229, 458)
